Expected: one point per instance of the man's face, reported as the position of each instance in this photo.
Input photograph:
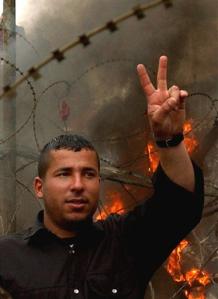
(70, 188)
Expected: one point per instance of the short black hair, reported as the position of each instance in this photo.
(71, 142)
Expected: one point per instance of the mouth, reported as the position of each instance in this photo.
(76, 204)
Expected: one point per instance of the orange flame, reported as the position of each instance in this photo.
(202, 277)
(195, 293)
(116, 207)
(195, 278)
(190, 141)
(153, 157)
(174, 262)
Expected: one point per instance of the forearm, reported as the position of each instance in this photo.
(177, 165)
(166, 114)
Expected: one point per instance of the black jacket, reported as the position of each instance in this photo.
(114, 258)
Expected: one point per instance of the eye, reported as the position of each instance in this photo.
(90, 174)
(63, 174)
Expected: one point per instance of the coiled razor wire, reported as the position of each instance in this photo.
(58, 54)
(33, 95)
(139, 131)
(34, 110)
(75, 81)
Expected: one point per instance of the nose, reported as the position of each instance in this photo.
(77, 183)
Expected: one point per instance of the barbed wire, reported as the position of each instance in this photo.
(24, 166)
(18, 204)
(33, 95)
(139, 131)
(58, 54)
(77, 80)
(106, 140)
(34, 110)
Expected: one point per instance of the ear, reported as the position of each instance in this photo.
(38, 187)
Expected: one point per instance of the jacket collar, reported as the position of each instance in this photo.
(39, 232)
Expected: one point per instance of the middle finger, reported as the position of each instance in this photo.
(162, 74)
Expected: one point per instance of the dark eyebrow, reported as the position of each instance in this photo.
(67, 169)
(89, 169)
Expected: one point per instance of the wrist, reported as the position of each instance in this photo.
(175, 140)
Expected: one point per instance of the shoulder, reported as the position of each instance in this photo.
(111, 223)
(13, 238)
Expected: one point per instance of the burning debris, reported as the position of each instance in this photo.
(116, 206)
(194, 280)
(153, 158)
(190, 141)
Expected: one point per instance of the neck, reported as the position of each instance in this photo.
(57, 230)
(66, 230)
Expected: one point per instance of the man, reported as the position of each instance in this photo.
(66, 254)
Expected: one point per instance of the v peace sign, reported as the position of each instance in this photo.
(166, 110)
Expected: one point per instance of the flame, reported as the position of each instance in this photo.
(196, 279)
(174, 262)
(190, 141)
(187, 126)
(116, 207)
(195, 293)
(153, 157)
(202, 277)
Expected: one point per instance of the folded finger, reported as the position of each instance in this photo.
(174, 92)
(183, 94)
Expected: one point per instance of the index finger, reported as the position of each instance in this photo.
(145, 81)
(162, 74)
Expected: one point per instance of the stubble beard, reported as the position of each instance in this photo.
(70, 224)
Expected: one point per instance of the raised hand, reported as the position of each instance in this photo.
(166, 108)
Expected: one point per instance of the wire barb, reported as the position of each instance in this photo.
(58, 55)
(111, 25)
(34, 73)
(168, 3)
(139, 12)
(84, 40)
